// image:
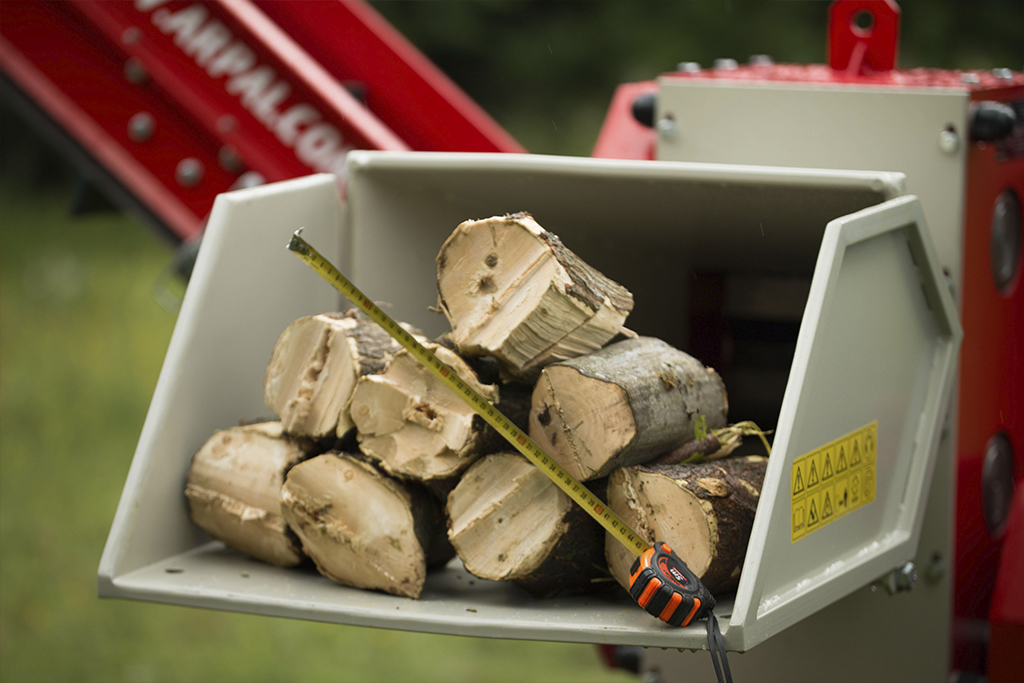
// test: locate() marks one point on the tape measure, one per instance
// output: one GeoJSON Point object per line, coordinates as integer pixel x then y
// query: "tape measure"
{"type": "Point", "coordinates": [659, 580]}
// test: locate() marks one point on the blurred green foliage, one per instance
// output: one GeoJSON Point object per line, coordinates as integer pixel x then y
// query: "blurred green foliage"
{"type": "Point", "coordinates": [546, 69]}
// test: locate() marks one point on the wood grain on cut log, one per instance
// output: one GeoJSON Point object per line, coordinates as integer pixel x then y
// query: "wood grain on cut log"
{"type": "Point", "coordinates": [512, 290]}
{"type": "Point", "coordinates": [414, 424]}
{"type": "Point", "coordinates": [509, 522]}
{"type": "Point", "coordinates": [703, 511]}
{"type": "Point", "coordinates": [623, 405]}
{"type": "Point", "coordinates": [233, 488]}
{"type": "Point", "coordinates": [314, 368]}
{"type": "Point", "coordinates": [363, 528]}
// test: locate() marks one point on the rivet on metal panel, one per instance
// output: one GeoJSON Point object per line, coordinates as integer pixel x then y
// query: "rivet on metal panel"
{"type": "Point", "coordinates": [667, 126]}
{"type": "Point", "coordinates": [1005, 239]}
{"type": "Point", "coordinates": [689, 67]}
{"type": "Point", "coordinates": [949, 141]}
{"type": "Point", "coordinates": [997, 483]}
{"type": "Point", "coordinates": [726, 64]}
{"type": "Point", "coordinates": [141, 126]}
{"type": "Point", "coordinates": [229, 159]}
{"type": "Point", "coordinates": [248, 179]}
{"type": "Point", "coordinates": [935, 569]}
{"type": "Point", "coordinates": [189, 172]}
{"type": "Point", "coordinates": [131, 35]}
{"type": "Point", "coordinates": [135, 71]}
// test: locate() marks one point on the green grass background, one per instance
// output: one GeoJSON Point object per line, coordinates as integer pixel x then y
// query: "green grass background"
{"type": "Point", "coordinates": [81, 344]}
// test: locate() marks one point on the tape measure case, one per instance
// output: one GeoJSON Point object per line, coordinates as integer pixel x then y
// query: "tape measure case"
{"type": "Point", "coordinates": [876, 345]}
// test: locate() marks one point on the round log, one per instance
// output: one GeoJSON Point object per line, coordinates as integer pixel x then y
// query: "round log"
{"type": "Point", "coordinates": [623, 405]}
{"type": "Point", "coordinates": [703, 511]}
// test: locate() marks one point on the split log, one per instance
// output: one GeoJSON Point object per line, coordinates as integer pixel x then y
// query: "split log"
{"type": "Point", "coordinates": [233, 488]}
{"type": "Point", "coordinates": [509, 522]}
{"type": "Point", "coordinates": [314, 368]}
{"type": "Point", "coordinates": [363, 528]}
{"type": "Point", "coordinates": [623, 405]}
{"type": "Point", "coordinates": [703, 511]}
{"type": "Point", "coordinates": [512, 290]}
{"type": "Point", "coordinates": [415, 425]}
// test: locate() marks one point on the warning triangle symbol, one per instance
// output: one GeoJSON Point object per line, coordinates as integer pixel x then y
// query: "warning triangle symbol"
{"type": "Point", "coordinates": [841, 463]}
{"type": "Point", "coordinates": [826, 471]}
{"type": "Point", "coordinates": [812, 476]}
{"type": "Point", "coordinates": [826, 508]}
{"type": "Point", "coordinates": [855, 456]}
{"type": "Point", "coordinates": [812, 516]}
{"type": "Point", "coordinates": [798, 484]}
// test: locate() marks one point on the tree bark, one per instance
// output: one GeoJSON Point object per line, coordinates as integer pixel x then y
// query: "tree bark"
{"type": "Point", "coordinates": [509, 522]}
{"type": "Point", "coordinates": [233, 487]}
{"type": "Point", "coordinates": [512, 290]}
{"type": "Point", "coordinates": [415, 425]}
{"type": "Point", "coordinates": [363, 528]}
{"type": "Point", "coordinates": [623, 405]}
{"type": "Point", "coordinates": [703, 511]}
{"type": "Point", "coordinates": [314, 368]}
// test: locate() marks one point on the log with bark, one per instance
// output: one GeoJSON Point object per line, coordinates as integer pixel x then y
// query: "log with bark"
{"type": "Point", "coordinates": [623, 405]}
{"type": "Point", "coordinates": [509, 522]}
{"type": "Point", "coordinates": [512, 290]}
{"type": "Point", "coordinates": [703, 511]}
{"type": "Point", "coordinates": [361, 527]}
{"type": "Point", "coordinates": [314, 368]}
{"type": "Point", "coordinates": [233, 487]}
{"type": "Point", "coordinates": [415, 425]}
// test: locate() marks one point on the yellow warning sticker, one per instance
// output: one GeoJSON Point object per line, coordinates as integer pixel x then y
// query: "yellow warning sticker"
{"type": "Point", "coordinates": [833, 481]}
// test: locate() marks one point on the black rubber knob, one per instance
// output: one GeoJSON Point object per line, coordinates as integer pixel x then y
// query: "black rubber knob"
{"type": "Point", "coordinates": [643, 109]}
{"type": "Point", "coordinates": [989, 121]}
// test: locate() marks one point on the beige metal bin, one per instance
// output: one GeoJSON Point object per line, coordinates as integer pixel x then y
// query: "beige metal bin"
{"type": "Point", "coordinates": [877, 345]}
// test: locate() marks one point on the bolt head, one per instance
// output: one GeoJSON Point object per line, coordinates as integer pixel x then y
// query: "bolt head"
{"type": "Point", "coordinates": [141, 126]}
{"type": "Point", "coordinates": [726, 64]}
{"type": "Point", "coordinates": [666, 127]}
{"type": "Point", "coordinates": [949, 142]}
{"type": "Point", "coordinates": [189, 172]}
{"type": "Point", "coordinates": [689, 67]}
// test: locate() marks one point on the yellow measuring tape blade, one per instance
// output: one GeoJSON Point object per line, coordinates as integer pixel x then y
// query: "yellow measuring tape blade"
{"type": "Point", "coordinates": [523, 443]}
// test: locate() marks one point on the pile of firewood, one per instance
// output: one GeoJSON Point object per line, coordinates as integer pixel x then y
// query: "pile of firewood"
{"type": "Point", "coordinates": [376, 472]}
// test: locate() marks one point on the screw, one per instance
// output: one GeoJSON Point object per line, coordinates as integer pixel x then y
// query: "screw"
{"type": "Point", "coordinates": [949, 142]}
{"type": "Point", "coordinates": [726, 64]}
{"type": "Point", "coordinates": [189, 172]}
{"type": "Point", "coordinates": [1003, 74]}
{"type": "Point", "coordinates": [689, 67]}
{"type": "Point", "coordinates": [135, 71]}
{"type": "Point", "coordinates": [936, 568]}
{"type": "Point", "coordinates": [229, 159]}
{"type": "Point", "coordinates": [141, 126]}
{"type": "Point", "coordinates": [666, 127]}
{"type": "Point", "coordinates": [906, 576]}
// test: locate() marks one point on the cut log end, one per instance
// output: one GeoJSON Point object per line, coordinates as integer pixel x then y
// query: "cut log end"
{"type": "Point", "coordinates": [414, 424]}
{"type": "Point", "coordinates": [509, 522]}
{"type": "Point", "coordinates": [511, 290]}
{"type": "Point", "coordinates": [233, 487]}
{"type": "Point", "coordinates": [358, 525]}
{"type": "Point", "coordinates": [703, 511]}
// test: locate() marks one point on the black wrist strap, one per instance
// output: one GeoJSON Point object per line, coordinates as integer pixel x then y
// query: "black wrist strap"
{"type": "Point", "coordinates": [717, 648]}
